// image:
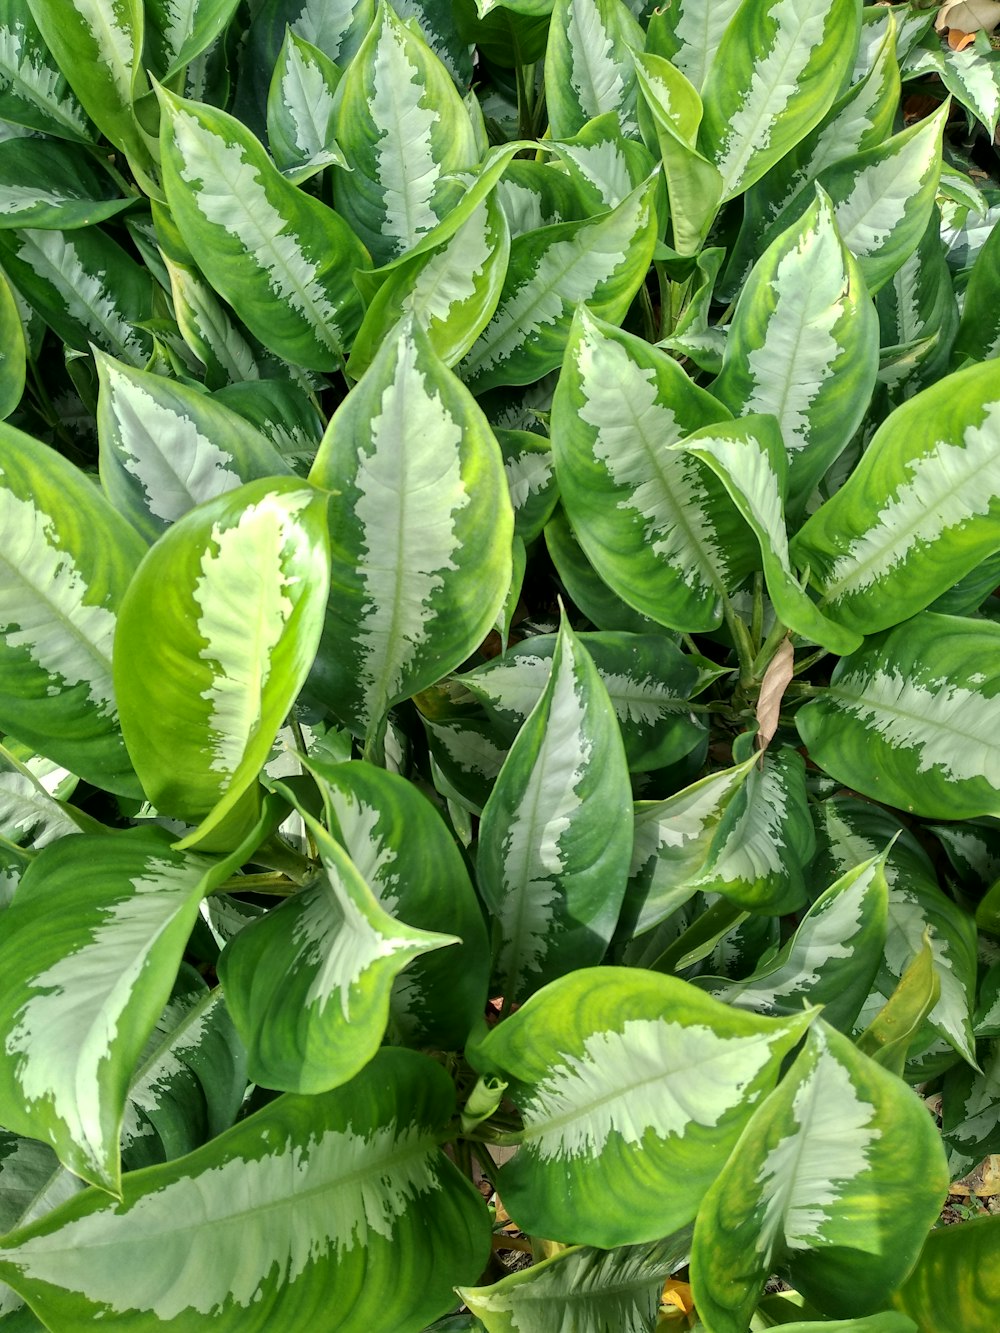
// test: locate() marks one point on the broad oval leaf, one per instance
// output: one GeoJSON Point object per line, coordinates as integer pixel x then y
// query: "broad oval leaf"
{"type": "Point", "coordinates": [404, 131]}
{"type": "Point", "coordinates": [921, 509]}
{"type": "Point", "coordinates": [913, 717]}
{"type": "Point", "coordinates": [345, 1192]}
{"type": "Point", "coordinates": [621, 1076]}
{"type": "Point", "coordinates": [218, 631]}
{"type": "Point", "coordinates": [602, 261]}
{"type": "Point", "coordinates": [955, 1285]}
{"type": "Point", "coordinates": [421, 529]}
{"type": "Point", "coordinates": [555, 837]}
{"type": "Point", "coordinates": [280, 258]}
{"type": "Point", "coordinates": [301, 107]}
{"type": "Point", "coordinates": [67, 560]}
{"type": "Point", "coordinates": [803, 345]}
{"type": "Point", "coordinates": [778, 67]}
{"type": "Point", "coordinates": [838, 1160]}
{"type": "Point", "coordinates": [90, 951]}
{"type": "Point", "coordinates": [588, 64]}
{"type": "Point", "coordinates": [166, 447]}
{"type": "Point", "coordinates": [308, 984]}
{"type": "Point", "coordinates": [656, 525]}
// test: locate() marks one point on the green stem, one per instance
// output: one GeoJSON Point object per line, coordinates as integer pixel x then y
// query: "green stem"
{"type": "Point", "coordinates": [768, 649]}
{"type": "Point", "coordinates": [741, 642]}
{"type": "Point", "coordinates": [648, 313]}
{"type": "Point", "coordinates": [277, 886]}
{"type": "Point", "coordinates": [757, 615]}
{"type": "Point", "coordinates": [276, 854]}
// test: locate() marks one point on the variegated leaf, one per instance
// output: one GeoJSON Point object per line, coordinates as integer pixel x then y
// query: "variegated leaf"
{"type": "Point", "coordinates": [531, 479]}
{"type": "Point", "coordinates": [903, 1017]}
{"type": "Point", "coordinates": [45, 183]}
{"type": "Point", "coordinates": [970, 1113]}
{"type": "Point", "coordinates": [178, 31]}
{"type": "Point", "coordinates": [539, 194]}
{"type": "Point", "coordinates": [656, 525]}
{"type": "Point", "coordinates": [85, 286]}
{"type": "Point", "coordinates": [648, 681]}
{"type": "Point", "coordinates": [422, 528]}
{"type": "Point", "coordinates": [602, 261]}
{"type": "Point", "coordinates": [917, 305]}
{"type": "Point", "coordinates": [588, 64]}
{"type": "Point", "coordinates": [688, 34]}
{"type": "Point", "coordinates": [33, 91]}
{"type": "Point", "coordinates": [451, 291]}
{"type": "Point", "coordinates": [32, 1183]}
{"type": "Point", "coordinates": [13, 352]}
{"type": "Point", "coordinates": [31, 813]}
{"type": "Point", "coordinates": [280, 258]}
{"type": "Point", "coordinates": [107, 921]}
{"type": "Point", "coordinates": [344, 1192]}
{"type": "Point", "coordinates": [694, 185]}
{"type": "Point", "coordinates": [308, 984]}
{"type": "Point", "coordinates": [206, 327]}
{"type": "Point", "coordinates": [955, 1285]}
{"type": "Point", "coordinates": [978, 337]}
{"type": "Point", "coordinates": [598, 1289]}
{"type": "Point", "coordinates": [555, 837]}
{"type": "Point", "coordinates": [919, 511]}
{"type": "Point", "coordinates": [805, 310]}
{"type": "Point", "coordinates": [849, 831]}
{"type": "Point", "coordinates": [777, 70]}
{"type": "Point", "coordinates": [284, 412]}
{"type": "Point", "coordinates": [301, 109]}
{"type": "Point", "coordinates": [841, 1155]}
{"type": "Point", "coordinates": [971, 76]}
{"type": "Point", "coordinates": [604, 166]}
{"type": "Point", "coordinates": [404, 131]}
{"type": "Point", "coordinates": [335, 27]}
{"type": "Point", "coordinates": [98, 46]}
{"type": "Point", "coordinates": [832, 958]}
{"type": "Point", "coordinates": [67, 560]}
{"type": "Point", "coordinates": [672, 844]}
{"type": "Point", "coordinates": [621, 1074]}
{"type": "Point", "coordinates": [217, 633]}
{"type": "Point", "coordinates": [166, 447]}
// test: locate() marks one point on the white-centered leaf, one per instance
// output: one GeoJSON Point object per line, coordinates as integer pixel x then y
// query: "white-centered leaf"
{"type": "Point", "coordinates": [33, 90]}
{"type": "Point", "coordinates": [588, 64]}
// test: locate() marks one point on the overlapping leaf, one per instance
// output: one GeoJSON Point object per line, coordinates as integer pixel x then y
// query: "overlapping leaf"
{"type": "Point", "coordinates": [955, 1285]}
{"type": "Point", "coordinates": [44, 183]}
{"type": "Point", "coordinates": [35, 92]}
{"type": "Point", "coordinates": [588, 64]}
{"type": "Point", "coordinates": [32, 1182]}
{"type": "Point", "coordinates": [688, 34]}
{"type": "Point", "coordinates": [301, 107]}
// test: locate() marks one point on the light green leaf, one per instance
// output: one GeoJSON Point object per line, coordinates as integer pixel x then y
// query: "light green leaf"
{"type": "Point", "coordinates": [218, 630]}
{"type": "Point", "coordinates": [308, 984]}
{"type": "Point", "coordinates": [422, 529]}
{"type": "Point", "coordinates": [280, 258]}
{"type": "Point", "coordinates": [33, 90]}
{"type": "Point", "coordinates": [206, 327]}
{"type": "Point", "coordinates": [956, 1283]}
{"type": "Point", "coordinates": [687, 34]}
{"type": "Point", "coordinates": [595, 1289]}
{"type": "Point", "coordinates": [404, 130]}
{"type": "Point", "coordinates": [749, 458]}
{"type": "Point", "coordinates": [85, 286]}
{"type": "Point", "coordinates": [888, 1037]}
{"type": "Point", "coordinates": [803, 345]}
{"type": "Point", "coordinates": [777, 70]}
{"type": "Point", "coordinates": [344, 1192]}
{"type": "Point", "coordinates": [838, 1159]}
{"type": "Point", "coordinates": [602, 261]}
{"type": "Point", "coordinates": [539, 194]}
{"type": "Point", "coordinates": [301, 108]}
{"type": "Point", "coordinates": [67, 560]}
{"type": "Point", "coordinates": [588, 64]}
{"type": "Point", "coordinates": [971, 76]}
{"type": "Point", "coordinates": [919, 511]}
{"type": "Point", "coordinates": [832, 958]}
{"type": "Point", "coordinates": [623, 1075]}
{"type": "Point", "coordinates": [32, 1183]}
{"type": "Point", "coordinates": [90, 951]}
{"type": "Point", "coordinates": [555, 837]}
{"type": "Point", "coordinates": [166, 447]}
{"type": "Point", "coordinates": [604, 166]}
{"type": "Point", "coordinates": [654, 523]}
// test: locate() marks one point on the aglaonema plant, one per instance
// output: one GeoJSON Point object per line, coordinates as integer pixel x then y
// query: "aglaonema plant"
{"type": "Point", "coordinates": [500, 676]}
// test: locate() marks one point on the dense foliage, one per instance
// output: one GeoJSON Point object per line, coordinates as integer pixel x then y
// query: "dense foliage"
{"type": "Point", "coordinates": [500, 514]}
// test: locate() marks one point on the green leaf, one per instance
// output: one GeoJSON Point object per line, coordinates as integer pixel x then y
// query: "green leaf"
{"type": "Point", "coordinates": [776, 72]}
{"type": "Point", "coordinates": [181, 30]}
{"type": "Point", "coordinates": [404, 131]}
{"type": "Point", "coordinates": [978, 337]}
{"type": "Point", "coordinates": [308, 984]}
{"type": "Point", "coordinates": [956, 1283]}
{"type": "Point", "coordinates": [603, 165]}
{"type": "Point", "coordinates": [687, 34]}
{"type": "Point", "coordinates": [280, 258]}
{"type": "Point", "coordinates": [422, 528]}
{"type": "Point", "coordinates": [539, 194]}
{"type": "Point", "coordinates": [166, 447]}
{"type": "Point", "coordinates": [90, 951]}
{"type": "Point", "coordinates": [971, 1111]}
{"type": "Point", "coordinates": [13, 357]}
{"type": "Point", "coordinates": [44, 183]}
{"type": "Point", "coordinates": [623, 1076]}
{"type": "Point", "coordinates": [748, 457]}
{"type": "Point", "coordinates": [838, 1158]}
{"type": "Point", "coordinates": [910, 719]}
{"type": "Point", "coordinates": [206, 327]}
{"type": "Point", "coordinates": [917, 305]}
{"type": "Point", "coordinates": [656, 525]}
{"type": "Point", "coordinates": [33, 91]}
{"type": "Point", "coordinates": [919, 511]}
{"type": "Point", "coordinates": [344, 1192]}
{"type": "Point", "coordinates": [217, 632]}
{"type": "Point", "coordinates": [647, 678]}
{"type": "Point", "coordinates": [32, 1182]}
{"type": "Point", "coordinates": [595, 1289]}
{"type": "Point", "coordinates": [602, 261]}
{"type": "Point", "coordinates": [85, 286]}
{"type": "Point", "coordinates": [301, 108]}
{"type": "Point", "coordinates": [98, 46]}
{"type": "Point", "coordinates": [588, 64]}
{"type": "Point", "coordinates": [531, 478]}
{"type": "Point", "coordinates": [555, 837]}
{"type": "Point", "coordinates": [832, 958]}
{"type": "Point", "coordinates": [888, 1036]}
{"type": "Point", "coordinates": [803, 345]}
{"type": "Point", "coordinates": [68, 558]}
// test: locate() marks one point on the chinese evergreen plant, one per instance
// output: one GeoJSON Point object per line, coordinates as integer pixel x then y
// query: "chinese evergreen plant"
{"type": "Point", "coordinates": [500, 516]}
